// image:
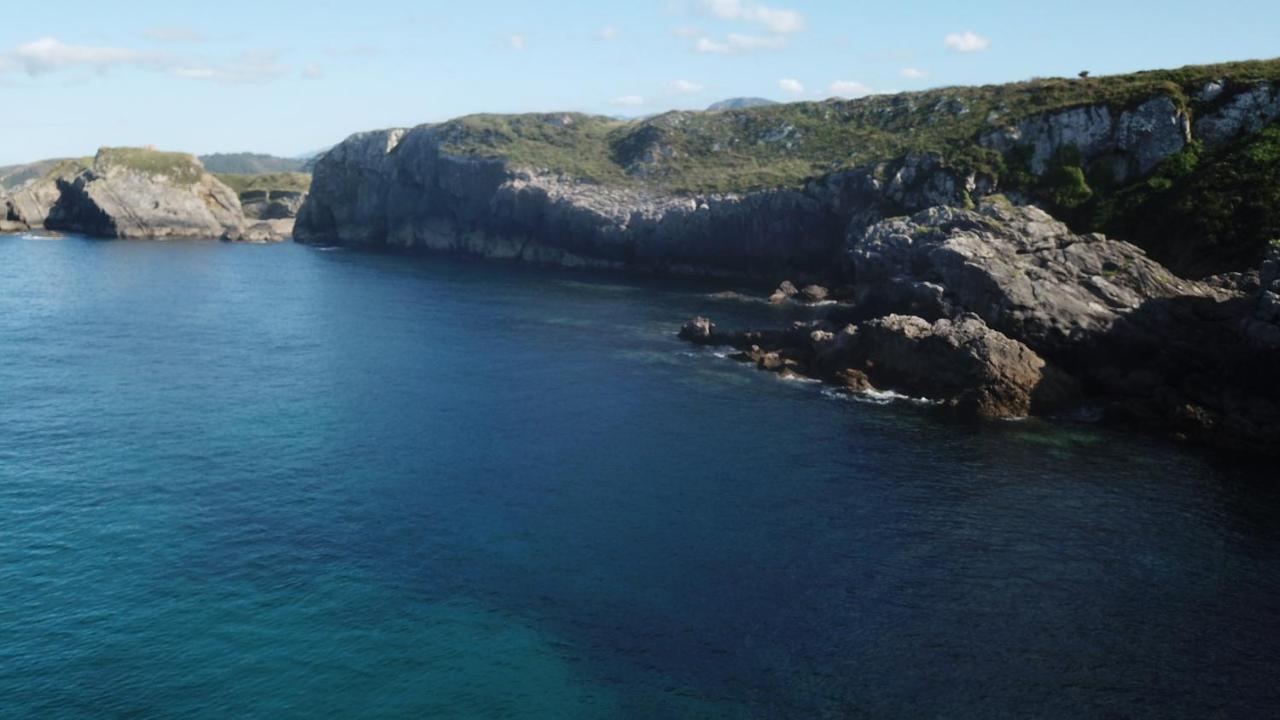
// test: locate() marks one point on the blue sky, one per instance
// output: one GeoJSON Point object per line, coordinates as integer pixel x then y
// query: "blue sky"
{"type": "Point", "coordinates": [292, 76]}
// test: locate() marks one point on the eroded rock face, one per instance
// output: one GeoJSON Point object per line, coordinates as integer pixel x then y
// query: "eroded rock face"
{"type": "Point", "coordinates": [116, 201]}
{"type": "Point", "coordinates": [1245, 112]}
{"type": "Point", "coordinates": [29, 206]}
{"type": "Point", "coordinates": [1020, 270]}
{"type": "Point", "coordinates": [1263, 325]}
{"type": "Point", "coordinates": [398, 188]}
{"type": "Point", "coordinates": [1127, 143]}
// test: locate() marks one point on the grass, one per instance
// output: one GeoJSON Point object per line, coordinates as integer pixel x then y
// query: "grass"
{"type": "Point", "coordinates": [787, 145]}
{"type": "Point", "coordinates": [177, 167]}
{"type": "Point", "coordinates": [266, 182]}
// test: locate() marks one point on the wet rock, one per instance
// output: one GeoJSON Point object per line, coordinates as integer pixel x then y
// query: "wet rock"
{"type": "Point", "coordinates": [977, 370]}
{"type": "Point", "coordinates": [786, 291]}
{"type": "Point", "coordinates": [814, 293]}
{"type": "Point", "coordinates": [699, 330]}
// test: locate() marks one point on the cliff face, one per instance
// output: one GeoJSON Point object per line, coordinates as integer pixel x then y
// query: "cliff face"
{"type": "Point", "coordinates": [129, 193]}
{"type": "Point", "coordinates": [575, 190]}
{"type": "Point", "coordinates": [399, 188]}
{"type": "Point", "coordinates": [29, 205]}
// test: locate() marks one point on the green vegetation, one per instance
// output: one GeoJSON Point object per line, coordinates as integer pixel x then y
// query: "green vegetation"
{"type": "Point", "coordinates": [177, 167]}
{"type": "Point", "coordinates": [1201, 212]}
{"type": "Point", "coordinates": [786, 145]}
{"type": "Point", "coordinates": [267, 182]}
{"type": "Point", "coordinates": [250, 164]}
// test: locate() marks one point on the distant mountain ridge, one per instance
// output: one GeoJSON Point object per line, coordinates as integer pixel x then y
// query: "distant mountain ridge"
{"type": "Point", "coordinates": [251, 163]}
{"type": "Point", "coordinates": [741, 103]}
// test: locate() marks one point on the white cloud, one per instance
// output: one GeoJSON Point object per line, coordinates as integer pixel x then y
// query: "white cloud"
{"type": "Point", "coordinates": [627, 101]}
{"type": "Point", "coordinates": [173, 34]}
{"type": "Point", "coordinates": [248, 68]}
{"type": "Point", "coordinates": [849, 89]}
{"type": "Point", "coordinates": [966, 42]}
{"type": "Point", "coordinates": [775, 20]}
{"type": "Point", "coordinates": [608, 33]}
{"type": "Point", "coordinates": [49, 54]}
{"type": "Point", "coordinates": [686, 31]}
{"type": "Point", "coordinates": [779, 21]}
{"type": "Point", "coordinates": [913, 73]}
{"type": "Point", "coordinates": [791, 86]}
{"type": "Point", "coordinates": [685, 87]}
{"type": "Point", "coordinates": [313, 72]}
{"type": "Point", "coordinates": [517, 42]}
{"type": "Point", "coordinates": [735, 44]}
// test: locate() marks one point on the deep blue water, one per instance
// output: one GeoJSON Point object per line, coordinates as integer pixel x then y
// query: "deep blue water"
{"type": "Point", "coordinates": [279, 482]}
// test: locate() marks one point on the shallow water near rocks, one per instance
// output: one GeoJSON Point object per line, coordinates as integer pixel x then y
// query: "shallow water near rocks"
{"type": "Point", "coordinates": [275, 482]}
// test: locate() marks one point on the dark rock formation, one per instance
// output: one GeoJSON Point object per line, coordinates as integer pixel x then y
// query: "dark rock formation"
{"type": "Point", "coordinates": [272, 205]}
{"type": "Point", "coordinates": [1016, 267]}
{"type": "Point", "coordinates": [143, 194]}
{"type": "Point", "coordinates": [963, 363]}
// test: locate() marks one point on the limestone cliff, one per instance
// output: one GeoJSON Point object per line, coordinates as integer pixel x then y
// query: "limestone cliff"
{"type": "Point", "coordinates": [773, 191]}
{"type": "Point", "coordinates": [134, 193]}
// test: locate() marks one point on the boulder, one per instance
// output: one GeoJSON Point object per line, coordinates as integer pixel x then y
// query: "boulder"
{"type": "Point", "coordinates": [814, 293]}
{"type": "Point", "coordinates": [786, 291]}
{"type": "Point", "coordinates": [699, 330]}
{"type": "Point", "coordinates": [136, 193]}
{"type": "Point", "coordinates": [962, 361]}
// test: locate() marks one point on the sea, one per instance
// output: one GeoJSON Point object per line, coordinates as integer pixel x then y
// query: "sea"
{"type": "Point", "coordinates": [302, 482]}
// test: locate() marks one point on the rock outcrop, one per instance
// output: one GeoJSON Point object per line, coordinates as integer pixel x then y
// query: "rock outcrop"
{"type": "Point", "coordinates": [1001, 311]}
{"type": "Point", "coordinates": [129, 193]}
{"type": "Point", "coordinates": [961, 362]}
{"type": "Point", "coordinates": [1130, 142]}
{"type": "Point", "coordinates": [29, 205]}
{"type": "Point", "coordinates": [272, 204]}
{"type": "Point", "coordinates": [1263, 325]}
{"type": "Point", "coordinates": [1022, 271]}
{"type": "Point", "coordinates": [1247, 111]}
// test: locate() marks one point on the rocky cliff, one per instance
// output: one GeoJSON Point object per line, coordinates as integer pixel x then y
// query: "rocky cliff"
{"type": "Point", "coordinates": [998, 310]}
{"type": "Point", "coordinates": [133, 193]}
{"type": "Point", "coordinates": [773, 191]}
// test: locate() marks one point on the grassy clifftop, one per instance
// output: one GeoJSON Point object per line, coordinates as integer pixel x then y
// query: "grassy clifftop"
{"type": "Point", "coordinates": [180, 168]}
{"type": "Point", "coordinates": [266, 182]}
{"type": "Point", "coordinates": [783, 145]}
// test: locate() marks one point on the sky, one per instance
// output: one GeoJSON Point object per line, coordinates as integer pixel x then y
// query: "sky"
{"type": "Point", "coordinates": [291, 77]}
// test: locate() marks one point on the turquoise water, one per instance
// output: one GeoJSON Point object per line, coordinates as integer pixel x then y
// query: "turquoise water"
{"type": "Point", "coordinates": [278, 482]}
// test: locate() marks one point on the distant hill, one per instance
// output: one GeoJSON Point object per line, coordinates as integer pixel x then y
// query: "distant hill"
{"type": "Point", "coordinates": [250, 163]}
{"type": "Point", "coordinates": [13, 176]}
{"type": "Point", "coordinates": [740, 104]}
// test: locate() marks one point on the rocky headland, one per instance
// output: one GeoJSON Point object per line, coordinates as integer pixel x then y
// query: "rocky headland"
{"type": "Point", "coordinates": [1003, 312]}
{"type": "Point", "coordinates": [143, 193]}
{"type": "Point", "coordinates": [1006, 250]}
